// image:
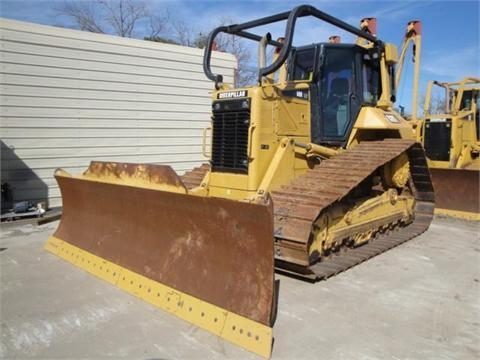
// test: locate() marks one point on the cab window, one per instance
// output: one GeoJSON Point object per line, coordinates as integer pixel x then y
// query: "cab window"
{"type": "Point", "coordinates": [370, 81]}
{"type": "Point", "coordinates": [338, 83]}
{"type": "Point", "coordinates": [303, 65]}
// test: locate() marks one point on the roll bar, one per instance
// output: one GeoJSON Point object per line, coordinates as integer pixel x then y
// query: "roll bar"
{"type": "Point", "coordinates": [286, 46]}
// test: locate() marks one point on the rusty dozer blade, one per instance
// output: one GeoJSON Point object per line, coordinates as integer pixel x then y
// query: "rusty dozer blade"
{"type": "Point", "coordinates": [209, 261]}
{"type": "Point", "coordinates": [457, 192]}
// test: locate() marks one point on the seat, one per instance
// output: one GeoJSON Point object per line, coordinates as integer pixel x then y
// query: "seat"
{"type": "Point", "coordinates": [336, 107]}
{"type": "Point", "coordinates": [339, 88]}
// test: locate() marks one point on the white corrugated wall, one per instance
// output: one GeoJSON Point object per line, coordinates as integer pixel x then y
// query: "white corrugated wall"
{"type": "Point", "coordinates": [69, 97]}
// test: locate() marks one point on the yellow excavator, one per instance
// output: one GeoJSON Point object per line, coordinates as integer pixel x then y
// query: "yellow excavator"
{"type": "Point", "coordinates": [311, 172]}
{"type": "Point", "coordinates": [449, 135]}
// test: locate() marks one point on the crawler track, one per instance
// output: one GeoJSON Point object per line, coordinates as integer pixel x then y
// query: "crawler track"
{"type": "Point", "coordinates": [298, 204]}
{"type": "Point", "coordinates": [194, 177]}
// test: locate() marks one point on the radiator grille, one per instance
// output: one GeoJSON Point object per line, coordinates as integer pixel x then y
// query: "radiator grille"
{"type": "Point", "coordinates": [231, 120]}
{"type": "Point", "coordinates": [437, 139]}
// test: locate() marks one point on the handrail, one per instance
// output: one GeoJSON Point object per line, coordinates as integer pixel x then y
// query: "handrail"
{"type": "Point", "coordinates": [204, 142]}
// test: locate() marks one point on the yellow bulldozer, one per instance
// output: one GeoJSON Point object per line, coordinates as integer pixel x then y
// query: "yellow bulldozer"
{"type": "Point", "coordinates": [311, 172]}
{"type": "Point", "coordinates": [450, 135]}
{"type": "Point", "coordinates": [449, 132]}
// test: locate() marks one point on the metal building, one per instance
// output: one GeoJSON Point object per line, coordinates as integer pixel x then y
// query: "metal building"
{"type": "Point", "coordinates": [69, 97]}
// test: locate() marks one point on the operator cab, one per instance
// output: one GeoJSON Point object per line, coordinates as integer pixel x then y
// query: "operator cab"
{"type": "Point", "coordinates": [471, 102]}
{"type": "Point", "coordinates": [343, 78]}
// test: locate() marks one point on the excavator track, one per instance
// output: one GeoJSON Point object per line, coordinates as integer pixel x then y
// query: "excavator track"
{"type": "Point", "coordinates": [298, 204]}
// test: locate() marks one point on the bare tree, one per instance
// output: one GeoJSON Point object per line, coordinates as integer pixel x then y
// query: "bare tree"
{"type": "Point", "coordinates": [117, 17]}
{"type": "Point", "coordinates": [127, 18]}
{"type": "Point", "coordinates": [437, 105]}
{"type": "Point", "coordinates": [187, 35]}
{"type": "Point", "coordinates": [83, 14]}
{"type": "Point", "coordinates": [246, 73]}
{"type": "Point", "coordinates": [156, 24]}
{"type": "Point", "coordinates": [183, 33]}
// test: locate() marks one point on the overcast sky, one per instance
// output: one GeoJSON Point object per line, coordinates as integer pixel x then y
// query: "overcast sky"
{"type": "Point", "coordinates": [451, 33]}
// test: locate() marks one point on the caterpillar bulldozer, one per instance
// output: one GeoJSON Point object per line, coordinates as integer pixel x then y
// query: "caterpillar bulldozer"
{"type": "Point", "coordinates": [311, 172]}
{"type": "Point", "coordinates": [449, 134]}
{"type": "Point", "coordinates": [451, 138]}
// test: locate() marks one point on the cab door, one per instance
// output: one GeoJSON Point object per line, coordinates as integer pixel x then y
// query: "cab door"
{"type": "Point", "coordinates": [335, 100]}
